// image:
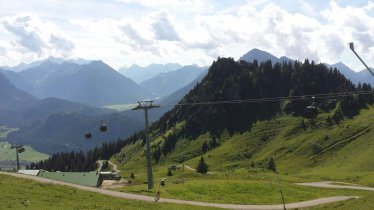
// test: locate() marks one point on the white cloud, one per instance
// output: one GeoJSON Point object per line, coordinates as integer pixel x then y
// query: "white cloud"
{"type": "Point", "coordinates": [61, 44]}
{"type": "Point", "coordinates": [352, 24]}
{"type": "Point", "coordinates": [190, 6]}
{"type": "Point", "coordinates": [163, 29]}
{"type": "Point", "coordinates": [29, 38]}
{"type": "Point", "coordinates": [192, 31]}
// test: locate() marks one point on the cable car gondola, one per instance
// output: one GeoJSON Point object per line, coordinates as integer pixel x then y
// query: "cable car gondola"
{"type": "Point", "coordinates": [103, 127]}
{"type": "Point", "coordinates": [311, 112]}
{"type": "Point", "coordinates": [21, 149]}
{"type": "Point", "coordinates": [88, 135]}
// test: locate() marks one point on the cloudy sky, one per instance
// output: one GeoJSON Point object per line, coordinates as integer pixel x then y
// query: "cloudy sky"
{"type": "Point", "coordinates": [124, 32]}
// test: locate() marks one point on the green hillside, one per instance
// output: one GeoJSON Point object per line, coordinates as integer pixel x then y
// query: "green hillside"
{"type": "Point", "coordinates": [239, 164]}
{"type": "Point", "coordinates": [4, 131]}
{"type": "Point", "coordinates": [6, 153]}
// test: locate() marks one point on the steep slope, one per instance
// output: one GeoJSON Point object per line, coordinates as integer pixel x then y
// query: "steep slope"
{"type": "Point", "coordinates": [246, 135]}
{"type": "Point", "coordinates": [228, 80]}
{"type": "Point", "coordinates": [52, 124]}
{"type": "Point", "coordinates": [366, 77]}
{"type": "Point", "coordinates": [26, 108]}
{"type": "Point", "coordinates": [64, 131]}
{"type": "Point", "coordinates": [12, 98]}
{"type": "Point", "coordinates": [17, 80]}
{"type": "Point", "coordinates": [41, 109]}
{"type": "Point", "coordinates": [95, 84]}
{"type": "Point", "coordinates": [166, 83]}
{"type": "Point", "coordinates": [175, 97]}
{"type": "Point", "coordinates": [11, 101]}
{"type": "Point", "coordinates": [356, 77]}
{"type": "Point", "coordinates": [168, 102]}
{"type": "Point", "coordinates": [346, 71]}
{"type": "Point", "coordinates": [140, 74]}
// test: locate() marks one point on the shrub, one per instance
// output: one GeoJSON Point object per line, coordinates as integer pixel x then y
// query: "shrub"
{"type": "Point", "coordinates": [169, 172]}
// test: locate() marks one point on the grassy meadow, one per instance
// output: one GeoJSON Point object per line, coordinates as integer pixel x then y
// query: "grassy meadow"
{"type": "Point", "coordinates": [6, 153]}
{"type": "Point", "coordinates": [303, 152]}
{"type": "Point", "coordinates": [27, 194]}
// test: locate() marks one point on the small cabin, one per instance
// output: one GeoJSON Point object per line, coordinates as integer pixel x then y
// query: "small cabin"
{"type": "Point", "coordinates": [29, 172]}
{"type": "Point", "coordinates": [92, 179]}
{"type": "Point", "coordinates": [107, 175]}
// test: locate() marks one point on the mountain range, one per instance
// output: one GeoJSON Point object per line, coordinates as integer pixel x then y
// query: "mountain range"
{"type": "Point", "coordinates": [139, 74]}
{"type": "Point", "coordinates": [12, 98]}
{"type": "Point", "coordinates": [165, 84]}
{"type": "Point", "coordinates": [24, 66]}
{"type": "Point", "coordinates": [262, 56]}
{"type": "Point", "coordinates": [51, 124]}
{"type": "Point", "coordinates": [94, 84]}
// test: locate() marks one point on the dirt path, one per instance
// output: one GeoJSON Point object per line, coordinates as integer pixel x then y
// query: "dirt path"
{"type": "Point", "coordinates": [333, 185]}
{"type": "Point", "coordinates": [192, 169]}
{"type": "Point", "coordinates": [114, 166]}
{"type": "Point", "coordinates": [100, 165]}
{"type": "Point", "coordinates": [303, 204]}
{"type": "Point", "coordinates": [189, 168]}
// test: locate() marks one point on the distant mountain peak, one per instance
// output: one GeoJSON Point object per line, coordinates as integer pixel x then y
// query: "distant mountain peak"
{"type": "Point", "coordinates": [140, 74]}
{"type": "Point", "coordinates": [134, 66]}
{"type": "Point", "coordinates": [259, 55]}
{"type": "Point", "coordinates": [95, 62]}
{"type": "Point", "coordinates": [256, 50]}
{"type": "Point", "coordinates": [285, 58]}
{"type": "Point", "coordinates": [48, 62]}
{"type": "Point", "coordinates": [99, 64]}
{"type": "Point", "coordinates": [340, 64]}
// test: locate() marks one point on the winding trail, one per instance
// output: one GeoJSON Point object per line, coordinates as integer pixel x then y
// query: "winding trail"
{"type": "Point", "coordinates": [192, 169]}
{"type": "Point", "coordinates": [303, 204]}
{"type": "Point", "coordinates": [189, 168]}
{"type": "Point", "coordinates": [100, 165]}
{"type": "Point", "coordinates": [114, 167]}
{"type": "Point", "coordinates": [333, 185]}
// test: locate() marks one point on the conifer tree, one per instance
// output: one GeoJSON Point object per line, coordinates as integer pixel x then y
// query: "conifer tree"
{"type": "Point", "coordinates": [202, 167]}
{"type": "Point", "coordinates": [271, 165]}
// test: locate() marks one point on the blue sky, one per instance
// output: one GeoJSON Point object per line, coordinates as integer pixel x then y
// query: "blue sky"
{"type": "Point", "coordinates": [124, 32]}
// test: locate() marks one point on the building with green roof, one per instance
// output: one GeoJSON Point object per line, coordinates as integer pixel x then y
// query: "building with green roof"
{"type": "Point", "coordinates": [92, 179]}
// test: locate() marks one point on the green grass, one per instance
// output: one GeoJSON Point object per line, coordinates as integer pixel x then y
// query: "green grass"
{"type": "Point", "coordinates": [4, 131]}
{"type": "Point", "coordinates": [342, 152]}
{"type": "Point", "coordinates": [365, 202]}
{"type": "Point", "coordinates": [6, 153]}
{"type": "Point", "coordinates": [26, 194]}
{"type": "Point", "coordinates": [235, 191]}
{"type": "Point", "coordinates": [238, 166]}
